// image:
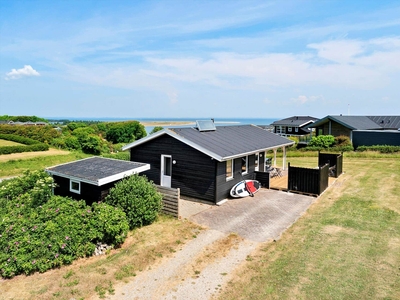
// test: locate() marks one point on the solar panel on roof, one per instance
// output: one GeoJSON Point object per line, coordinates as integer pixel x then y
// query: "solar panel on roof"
{"type": "Point", "coordinates": [205, 125]}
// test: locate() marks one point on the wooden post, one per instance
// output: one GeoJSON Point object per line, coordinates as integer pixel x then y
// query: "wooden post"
{"type": "Point", "coordinates": [284, 157]}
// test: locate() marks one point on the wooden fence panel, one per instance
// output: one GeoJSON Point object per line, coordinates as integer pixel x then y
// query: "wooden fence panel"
{"type": "Point", "coordinates": [335, 161]}
{"type": "Point", "coordinates": [263, 178]}
{"type": "Point", "coordinates": [323, 178]}
{"type": "Point", "coordinates": [304, 180]}
{"type": "Point", "coordinates": [170, 201]}
{"type": "Point", "coordinates": [339, 165]}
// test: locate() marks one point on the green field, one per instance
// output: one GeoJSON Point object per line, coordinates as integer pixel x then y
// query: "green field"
{"type": "Point", "coordinates": [4, 143]}
{"type": "Point", "coordinates": [347, 246]}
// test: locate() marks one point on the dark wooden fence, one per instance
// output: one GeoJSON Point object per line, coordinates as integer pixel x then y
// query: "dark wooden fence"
{"type": "Point", "coordinates": [263, 178]}
{"type": "Point", "coordinates": [309, 181]}
{"type": "Point", "coordinates": [170, 201]}
{"type": "Point", "coordinates": [335, 162]}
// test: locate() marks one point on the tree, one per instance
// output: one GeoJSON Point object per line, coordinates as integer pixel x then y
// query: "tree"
{"type": "Point", "coordinates": [156, 128]}
{"type": "Point", "coordinates": [125, 132]}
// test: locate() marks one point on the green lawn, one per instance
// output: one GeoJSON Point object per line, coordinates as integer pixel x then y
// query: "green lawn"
{"type": "Point", "coordinates": [347, 246]}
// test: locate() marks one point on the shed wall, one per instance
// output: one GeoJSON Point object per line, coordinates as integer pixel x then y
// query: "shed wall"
{"type": "Point", "coordinates": [194, 172]}
{"type": "Point", "coordinates": [375, 137]}
{"type": "Point", "coordinates": [334, 129]}
{"type": "Point", "coordinates": [90, 193]}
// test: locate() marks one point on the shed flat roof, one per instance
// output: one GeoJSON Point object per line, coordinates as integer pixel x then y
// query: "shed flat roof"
{"type": "Point", "coordinates": [98, 170]}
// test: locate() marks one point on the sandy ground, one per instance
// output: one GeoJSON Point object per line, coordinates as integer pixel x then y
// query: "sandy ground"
{"type": "Point", "coordinates": [167, 123]}
{"type": "Point", "coordinates": [27, 155]}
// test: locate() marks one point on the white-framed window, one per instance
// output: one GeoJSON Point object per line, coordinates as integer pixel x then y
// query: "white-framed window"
{"type": "Point", "coordinates": [289, 129]}
{"type": "Point", "coordinates": [229, 169]}
{"type": "Point", "coordinates": [296, 129]}
{"type": "Point", "coordinates": [75, 186]}
{"type": "Point", "coordinates": [256, 161]}
{"type": "Point", "coordinates": [245, 164]}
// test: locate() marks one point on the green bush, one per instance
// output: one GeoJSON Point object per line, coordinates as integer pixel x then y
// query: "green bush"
{"type": "Point", "coordinates": [322, 141]}
{"type": "Point", "coordinates": [20, 149]}
{"type": "Point", "coordinates": [138, 198]}
{"type": "Point", "coordinates": [39, 231]}
{"type": "Point", "coordinates": [342, 140]}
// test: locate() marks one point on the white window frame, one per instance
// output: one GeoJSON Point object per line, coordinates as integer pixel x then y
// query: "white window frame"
{"type": "Point", "coordinates": [296, 129]}
{"type": "Point", "coordinates": [257, 161]}
{"type": "Point", "coordinates": [289, 129]}
{"type": "Point", "coordinates": [77, 191]}
{"type": "Point", "coordinates": [247, 165]}
{"type": "Point", "coordinates": [229, 176]}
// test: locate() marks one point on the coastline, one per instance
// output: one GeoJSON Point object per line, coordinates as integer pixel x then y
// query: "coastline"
{"type": "Point", "coordinates": [166, 123]}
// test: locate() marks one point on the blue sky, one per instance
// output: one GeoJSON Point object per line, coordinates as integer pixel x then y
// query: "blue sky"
{"type": "Point", "coordinates": [177, 59]}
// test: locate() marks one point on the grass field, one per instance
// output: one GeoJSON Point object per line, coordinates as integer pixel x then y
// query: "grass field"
{"type": "Point", "coordinates": [347, 245]}
{"type": "Point", "coordinates": [4, 143]}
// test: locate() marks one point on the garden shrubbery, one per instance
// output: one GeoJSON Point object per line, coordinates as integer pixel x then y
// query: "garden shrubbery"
{"type": "Point", "coordinates": [329, 143]}
{"type": "Point", "coordinates": [138, 198]}
{"type": "Point", "coordinates": [39, 231]}
{"type": "Point", "coordinates": [44, 134]}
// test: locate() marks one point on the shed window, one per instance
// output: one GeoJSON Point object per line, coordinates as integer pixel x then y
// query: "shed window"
{"type": "Point", "coordinates": [229, 169]}
{"type": "Point", "coordinates": [244, 164]}
{"type": "Point", "coordinates": [75, 186]}
{"type": "Point", "coordinates": [289, 129]}
{"type": "Point", "coordinates": [296, 129]}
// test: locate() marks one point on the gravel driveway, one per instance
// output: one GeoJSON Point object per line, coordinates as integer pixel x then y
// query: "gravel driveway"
{"type": "Point", "coordinates": [253, 219]}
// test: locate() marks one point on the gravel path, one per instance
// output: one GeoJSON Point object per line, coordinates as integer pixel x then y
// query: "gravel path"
{"type": "Point", "coordinates": [175, 278]}
{"type": "Point", "coordinates": [205, 264]}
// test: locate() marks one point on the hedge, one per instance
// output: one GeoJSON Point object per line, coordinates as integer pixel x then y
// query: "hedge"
{"type": "Point", "coordinates": [380, 148]}
{"type": "Point", "coordinates": [32, 145]}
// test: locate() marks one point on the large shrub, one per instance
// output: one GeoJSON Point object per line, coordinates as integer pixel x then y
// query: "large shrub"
{"type": "Point", "coordinates": [322, 141]}
{"type": "Point", "coordinates": [39, 231]}
{"type": "Point", "coordinates": [138, 198]}
{"type": "Point", "coordinates": [125, 132]}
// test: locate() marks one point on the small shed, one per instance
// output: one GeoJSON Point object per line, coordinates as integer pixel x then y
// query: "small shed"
{"type": "Point", "coordinates": [91, 178]}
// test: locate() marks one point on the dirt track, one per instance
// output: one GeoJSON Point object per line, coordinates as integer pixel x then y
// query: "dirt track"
{"type": "Point", "coordinates": [27, 155]}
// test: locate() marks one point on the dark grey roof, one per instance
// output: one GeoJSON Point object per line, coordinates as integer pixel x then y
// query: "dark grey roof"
{"type": "Point", "coordinates": [387, 122]}
{"type": "Point", "coordinates": [226, 142]}
{"type": "Point", "coordinates": [351, 122]}
{"type": "Point", "coordinates": [98, 170]}
{"type": "Point", "coordinates": [295, 121]}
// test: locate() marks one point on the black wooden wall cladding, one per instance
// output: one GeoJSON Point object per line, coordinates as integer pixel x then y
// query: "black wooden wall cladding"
{"type": "Point", "coordinates": [192, 171]}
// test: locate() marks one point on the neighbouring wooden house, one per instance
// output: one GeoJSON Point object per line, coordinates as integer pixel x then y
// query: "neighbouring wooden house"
{"type": "Point", "coordinates": [206, 161]}
{"type": "Point", "coordinates": [362, 130]}
{"type": "Point", "coordinates": [294, 126]}
{"type": "Point", "coordinates": [91, 178]}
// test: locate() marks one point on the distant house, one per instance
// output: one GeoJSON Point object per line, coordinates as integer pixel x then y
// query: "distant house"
{"type": "Point", "coordinates": [205, 161]}
{"type": "Point", "coordinates": [295, 125]}
{"type": "Point", "coordinates": [90, 179]}
{"type": "Point", "coordinates": [362, 130]}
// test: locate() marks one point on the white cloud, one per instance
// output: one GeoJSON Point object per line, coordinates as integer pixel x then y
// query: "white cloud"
{"type": "Point", "coordinates": [304, 99]}
{"type": "Point", "coordinates": [26, 71]}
